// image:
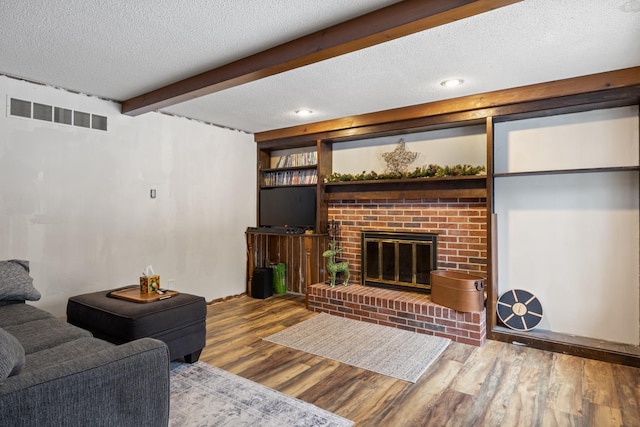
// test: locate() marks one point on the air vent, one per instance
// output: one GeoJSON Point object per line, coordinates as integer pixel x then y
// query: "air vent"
{"type": "Point", "coordinates": [20, 108]}
{"type": "Point", "coordinates": [81, 119]}
{"type": "Point", "coordinates": [49, 113]}
{"type": "Point", "coordinates": [42, 112]}
{"type": "Point", "coordinates": [98, 122]}
{"type": "Point", "coordinates": [62, 115]}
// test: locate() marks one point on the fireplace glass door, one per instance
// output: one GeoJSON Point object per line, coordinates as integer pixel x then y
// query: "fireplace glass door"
{"type": "Point", "coordinates": [400, 260]}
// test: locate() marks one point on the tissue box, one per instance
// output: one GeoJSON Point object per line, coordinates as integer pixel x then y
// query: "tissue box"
{"type": "Point", "coordinates": [149, 284]}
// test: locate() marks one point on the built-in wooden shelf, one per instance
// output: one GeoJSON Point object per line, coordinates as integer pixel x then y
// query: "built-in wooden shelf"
{"type": "Point", "coordinates": [289, 168]}
{"type": "Point", "coordinates": [288, 185]}
{"type": "Point", "coordinates": [458, 186]}
{"type": "Point", "coordinates": [568, 171]}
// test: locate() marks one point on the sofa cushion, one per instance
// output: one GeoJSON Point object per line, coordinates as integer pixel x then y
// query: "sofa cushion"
{"type": "Point", "coordinates": [10, 302]}
{"type": "Point", "coordinates": [80, 347]}
{"type": "Point", "coordinates": [16, 314]}
{"type": "Point", "coordinates": [15, 281]}
{"type": "Point", "coordinates": [12, 356]}
{"type": "Point", "coordinates": [41, 334]}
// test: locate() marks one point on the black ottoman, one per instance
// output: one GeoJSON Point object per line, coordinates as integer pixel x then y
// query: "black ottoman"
{"type": "Point", "coordinates": [179, 321]}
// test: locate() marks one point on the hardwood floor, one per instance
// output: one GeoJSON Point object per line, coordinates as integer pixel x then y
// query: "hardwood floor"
{"type": "Point", "coordinates": [498, 384]}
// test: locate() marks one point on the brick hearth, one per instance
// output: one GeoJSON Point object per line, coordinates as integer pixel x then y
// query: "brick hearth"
{"type": "Point", "coordinates": [404, 310]}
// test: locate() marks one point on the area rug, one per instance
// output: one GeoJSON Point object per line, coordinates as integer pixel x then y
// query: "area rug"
{"type": "Point", "coordinates": [389, 351]}
{"type": "Point", "coordinates": [203, 395]}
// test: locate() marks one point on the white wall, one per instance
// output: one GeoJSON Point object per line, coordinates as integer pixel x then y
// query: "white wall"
{"type": "Point", "coordinates": [572, 239]}
{"type": "Point", "coordinates": [75, 202]}
{"type": "Point", "coordinates": [447, 147]}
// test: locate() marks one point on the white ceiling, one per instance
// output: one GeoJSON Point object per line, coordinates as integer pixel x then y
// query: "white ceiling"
{"type": "Point", "coordinates": [120, 49]}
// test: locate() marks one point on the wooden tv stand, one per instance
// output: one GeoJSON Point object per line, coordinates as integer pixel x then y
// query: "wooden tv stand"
{"type": "Point", "coordinates": [301, 253]}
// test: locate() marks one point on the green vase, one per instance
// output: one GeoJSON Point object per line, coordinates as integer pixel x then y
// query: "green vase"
{"type": "Point", "coordinates": [279, 285]}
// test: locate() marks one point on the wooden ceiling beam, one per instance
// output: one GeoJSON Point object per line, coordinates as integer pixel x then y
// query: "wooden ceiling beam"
{"type": "Point", "coordinates": [389, 23]}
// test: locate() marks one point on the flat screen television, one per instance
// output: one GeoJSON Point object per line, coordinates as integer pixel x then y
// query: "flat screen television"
{"type": "Point", "coordinates": [288, 207]}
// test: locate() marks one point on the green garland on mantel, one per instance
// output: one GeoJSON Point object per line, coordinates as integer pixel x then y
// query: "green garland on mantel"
{"type": "Point", "coordinates": [429, 171]}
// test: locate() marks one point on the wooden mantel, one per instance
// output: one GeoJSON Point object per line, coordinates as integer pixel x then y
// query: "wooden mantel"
{"type": "Point", "coordinates": [415, 188]}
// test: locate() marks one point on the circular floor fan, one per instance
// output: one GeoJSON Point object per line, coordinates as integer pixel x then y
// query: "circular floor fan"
{"type": "Point", "coordinates": [519, 309]}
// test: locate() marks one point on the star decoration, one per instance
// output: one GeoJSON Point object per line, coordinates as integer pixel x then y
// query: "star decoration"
{"type": "Point", "coordinates": [399, 159]}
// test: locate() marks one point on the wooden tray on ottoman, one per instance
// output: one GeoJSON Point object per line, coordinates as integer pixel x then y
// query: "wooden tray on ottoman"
{"type": "Point", "coordinates": [134, 294]}
{"type": "Point", "coordinates": [457, 290]}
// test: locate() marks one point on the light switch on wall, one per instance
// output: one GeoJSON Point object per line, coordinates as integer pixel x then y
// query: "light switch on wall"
{"type": "Point", "coordinates": [152, 193]}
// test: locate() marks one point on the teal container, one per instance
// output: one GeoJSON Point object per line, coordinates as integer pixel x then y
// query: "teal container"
{"type": "Point", "coordinates": [279, 274]}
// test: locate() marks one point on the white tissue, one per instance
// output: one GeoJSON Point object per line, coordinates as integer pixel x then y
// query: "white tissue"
{"type": "Point", "coordinates": [148, 271]}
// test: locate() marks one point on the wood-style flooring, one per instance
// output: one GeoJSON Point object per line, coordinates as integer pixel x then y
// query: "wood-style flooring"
{"type": "Point", "coordinates": [498, 384]}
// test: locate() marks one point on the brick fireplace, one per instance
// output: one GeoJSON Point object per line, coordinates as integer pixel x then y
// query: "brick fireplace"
{"type": "Point", "coordinates": [460, 226]}
{"type": "Point", "coordinates": [459, 223]}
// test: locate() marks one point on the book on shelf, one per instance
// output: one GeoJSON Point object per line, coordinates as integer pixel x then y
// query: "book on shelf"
{"type": "Point", "coordinates": [298, 159]}
{"type": "Point", "coordinates": [292, 177]}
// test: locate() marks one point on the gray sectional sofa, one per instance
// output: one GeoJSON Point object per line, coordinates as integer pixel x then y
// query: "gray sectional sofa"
{"type": "Point", "coordinates": [55, 374]}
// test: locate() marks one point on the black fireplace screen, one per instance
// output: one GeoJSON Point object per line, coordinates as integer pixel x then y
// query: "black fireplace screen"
{"type": "Point", "coordinates": [398, 259]}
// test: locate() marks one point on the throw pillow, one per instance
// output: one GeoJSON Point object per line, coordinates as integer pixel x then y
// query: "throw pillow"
{"type": "Point", "coordinates": [11, 355]}
{"type": "Point", "coordinates": [15, 282]}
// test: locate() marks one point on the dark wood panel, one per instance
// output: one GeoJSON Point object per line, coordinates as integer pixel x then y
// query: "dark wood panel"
{"type": "Point", "coordinates": [421, 124]}
{"type": "Point", "coordinates": [406, 194]}
{"type": "Point", "coordinates": [610, 98]}
{"type": "Point", "coordinates": [318, 262]}
{"type": "Point", "coordinates": [491, 285]}
{"type": "Point", "coordinates": [293, 168]}
{"type": "Point", "coordinates": [570, 344]}
{"type": "Point", "coordinates": [325, 167]}
{"type": "Point", "coordinates": [295, 273]}
{"type": "Point", "coordinates": [568, 171]}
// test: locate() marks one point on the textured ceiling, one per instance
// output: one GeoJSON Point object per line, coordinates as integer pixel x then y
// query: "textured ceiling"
{"type": "Point", "coordinates": [121, 49]}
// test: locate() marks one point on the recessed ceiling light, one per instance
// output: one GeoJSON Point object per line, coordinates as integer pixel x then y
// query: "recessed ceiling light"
{"type": "Point", "coordinates": [304, 113]}
{"type": "Point", "coordinates": [452, 82]}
